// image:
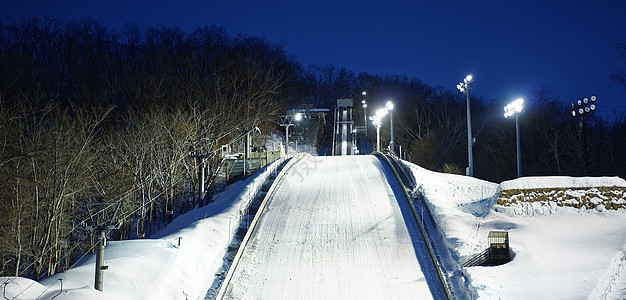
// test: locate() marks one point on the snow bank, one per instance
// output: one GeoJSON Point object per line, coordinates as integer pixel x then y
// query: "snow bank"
{"type": "Point", "coordinates": [562, 182]}
{"type": "Point", "coordinates": [558, 252]}
{"type": "Point", "coordinates": [177, 263]}
{"type": "Point", "coordinates": [536, 196]}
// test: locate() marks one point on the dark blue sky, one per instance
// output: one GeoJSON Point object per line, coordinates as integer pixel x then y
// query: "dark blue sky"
{"type": "Point", "coordinates": [509, 47]}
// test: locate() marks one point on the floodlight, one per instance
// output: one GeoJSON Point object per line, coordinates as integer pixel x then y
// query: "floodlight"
{"type": "Point", "coordinates": [580, 102]}
{"type": "Point", "coordinates": [593, 98]}
{"type": "Point", "coordinates": [364, 93]}
{"type": "Point", "coordinates": [381, 113]}
{"type": "Point", "coordinates": [389, 105]}
{"type": "Point", "coordinates": [592, 106]}
{"type": "Point", "coordinates": [573, 113]}
{"type": "Point", "coordinates": [585, 100]}
{"type": "Point", "coordinates": [581, 111]}
{"type": "Point", "coordinates": [514, 107]}
{"type": "Point", "coordinates": [298, 117]}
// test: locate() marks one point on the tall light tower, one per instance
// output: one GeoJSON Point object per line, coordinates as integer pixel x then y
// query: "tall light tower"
{"type": "Point", "coordinates": [581, 109]}
{"type": "Point", "coordinates": [464, 87]}
{"type": "Point", "coordinates": [515, 109]}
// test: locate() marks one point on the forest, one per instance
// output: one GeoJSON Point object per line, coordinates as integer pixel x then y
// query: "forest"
{"type": "Point", "coordinates": [94, 115]}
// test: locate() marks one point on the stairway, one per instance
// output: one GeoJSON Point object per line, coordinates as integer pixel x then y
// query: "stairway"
{"type": "Point", "coordinates": [480, 259]}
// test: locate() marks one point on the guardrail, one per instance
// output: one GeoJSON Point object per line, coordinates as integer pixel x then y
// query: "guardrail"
{"type": "Point", "coordinates": [442, 274]}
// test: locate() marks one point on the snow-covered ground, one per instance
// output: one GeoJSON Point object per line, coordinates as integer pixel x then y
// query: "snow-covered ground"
{"type": "Point", "coordinates": [339, 229]}
{"type": "Point", "coordinates": [156, 268]}
{"type": "Point", "coordinates": [559, 252]}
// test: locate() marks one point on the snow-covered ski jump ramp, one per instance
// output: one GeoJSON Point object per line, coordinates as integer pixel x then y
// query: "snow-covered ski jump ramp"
{"type": "Point", "coordinates": [334, 228]}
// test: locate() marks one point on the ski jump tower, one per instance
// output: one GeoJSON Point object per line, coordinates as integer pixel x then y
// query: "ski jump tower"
{"type": "Point", "coordinates": [343, 135]}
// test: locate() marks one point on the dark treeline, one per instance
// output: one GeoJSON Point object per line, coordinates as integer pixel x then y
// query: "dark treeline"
{"type": "Point", "coordinates": [432, 129]}
{"type": "Point", "coordinates": [91, 115]}
{"type": "Point", "coordinates": [88, 114]}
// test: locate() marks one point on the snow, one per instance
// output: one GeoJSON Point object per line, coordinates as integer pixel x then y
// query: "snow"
{"type": "Point", "coordinates": [562, 182]}
{"type": "Point", "coordinates": [335, 231]}
{"type": "Point", "coordinates": [558, 252]}
{"type": "Point", "coordinates": [157, 268]}
{"type": "Point", "coordinates": [348, 238]}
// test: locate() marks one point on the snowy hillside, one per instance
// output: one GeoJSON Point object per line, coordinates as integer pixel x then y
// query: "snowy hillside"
{"type": "Point", "coordinates": [559, 252]}
{"type": "Point", "coordinates": [160, 267]}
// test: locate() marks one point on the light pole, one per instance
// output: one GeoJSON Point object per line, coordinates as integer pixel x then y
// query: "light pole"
{"type": "Point", "coordinates": [582, 108]}
{"type": "Point", "coordinates": [515, 109]}
{"type": "Point", "coordinates": [364, 110]}
{"type": "Point", "coordinates": [377, 121]}
{"type": "Point", "coordinates": [287, 121]}
{"type": "Point", "coordinates": [389, 108]}
{"type": "Point", "coordinates": [464, 87]}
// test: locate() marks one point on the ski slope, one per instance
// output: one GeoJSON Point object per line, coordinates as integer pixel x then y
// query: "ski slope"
{"type": "Point", "coordinates": [336, 228]}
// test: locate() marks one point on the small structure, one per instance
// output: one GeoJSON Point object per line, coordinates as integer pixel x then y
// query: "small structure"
{"type": "Point", "coordinates": [498, 247]}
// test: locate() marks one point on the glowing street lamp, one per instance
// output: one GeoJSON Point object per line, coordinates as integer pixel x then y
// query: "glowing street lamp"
{"type": "Point", "coordinates": [464, 88]}
{"type": "Point", "coordinates": [297, 117]}
{"type": "Point", "coordinates": [377, 122]}
{"type": "Point", "coordinates": [515, 109]}
{"type": "Point", "coordinates": [287, 121]}
{"type": "Point", "coordinates": [389, 108]}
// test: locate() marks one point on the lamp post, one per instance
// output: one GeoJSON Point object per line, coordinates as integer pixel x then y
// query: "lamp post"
{"type": "Point", "coordinates": [464, 87]}
{"type": "Point", "coordinates": [389, 107]}
{"type": "Point", "coordinates": [287, 121]}
{"type": "Point", "coordinates": [582, 108]}
{"type": "Point", "coordinates": [514, 109]}
{"type": "Point", "coordinates": [364, 93]}
{"type": "Point", "coordinates": [377, 122]}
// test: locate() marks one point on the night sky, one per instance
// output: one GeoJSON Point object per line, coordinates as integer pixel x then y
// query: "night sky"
{"type": "Point", "coordinates": [509, 47]}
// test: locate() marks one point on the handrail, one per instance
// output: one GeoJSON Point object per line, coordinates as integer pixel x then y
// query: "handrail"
{"type": "Point", "coordinates": [440, 272]}
{"type": "Point", "coordinates": [478, 259]}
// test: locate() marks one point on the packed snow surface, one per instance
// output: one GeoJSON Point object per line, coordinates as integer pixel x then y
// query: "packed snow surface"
{"type": "Point", "coordinates": [337, 228]}
{"type": "Point", "coordinates": [558, 252]}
